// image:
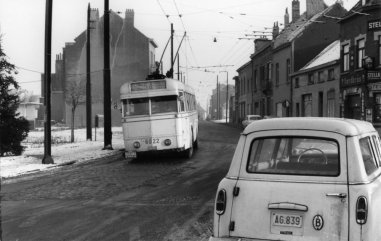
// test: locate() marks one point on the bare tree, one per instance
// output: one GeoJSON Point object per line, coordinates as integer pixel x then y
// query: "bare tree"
{"type": "Point", "coordinates": [75, 95]}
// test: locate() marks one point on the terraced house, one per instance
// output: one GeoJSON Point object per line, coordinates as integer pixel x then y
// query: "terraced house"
{"type": "Point", "coordinates": [300, 41]}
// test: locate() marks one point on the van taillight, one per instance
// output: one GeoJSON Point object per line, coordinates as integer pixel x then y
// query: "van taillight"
{"type": "Point", "coordinates": [221, 202]}
{"type": "Point", "coordinates": [361, 210]}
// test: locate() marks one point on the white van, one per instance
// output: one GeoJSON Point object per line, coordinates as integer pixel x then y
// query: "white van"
{"type": "Point", "coordinates": [302, 179]}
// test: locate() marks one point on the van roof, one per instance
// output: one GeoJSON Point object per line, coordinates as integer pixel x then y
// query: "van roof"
{"type": "Point", "coordinates": [347, 127]}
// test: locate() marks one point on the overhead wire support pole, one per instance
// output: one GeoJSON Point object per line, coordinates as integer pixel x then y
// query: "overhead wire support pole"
{"type": "Point", "coordinates": [107, 80]}
{"type": "Point", "coordinates": [227, 95]}
{"type": "Point", "coordinates": [88, 78]}
{"type": "Point", "coordinates": [47, 72]}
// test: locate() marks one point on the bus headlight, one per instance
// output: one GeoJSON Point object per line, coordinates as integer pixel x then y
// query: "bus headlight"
{"type": "Point", "coordinates": [167, 142]}
{"type": "Point", "coordinates": [136, 144]}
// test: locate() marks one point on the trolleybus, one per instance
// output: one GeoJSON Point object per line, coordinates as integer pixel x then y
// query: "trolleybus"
{"type": "Point", "coordinates": [158, 114]}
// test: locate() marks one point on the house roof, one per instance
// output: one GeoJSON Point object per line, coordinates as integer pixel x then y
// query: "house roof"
{"type": "Point", "coordinates": [243, 66]}
{"type": "Point", "coordinates": [358, 8]}
{"type": "Point", "coordinates": [290, 32]}
{"type": "Point", "coordinates": [329, 54]}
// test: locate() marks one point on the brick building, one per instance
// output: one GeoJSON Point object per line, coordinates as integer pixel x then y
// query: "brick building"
{"type": "Point", "coordinates": [316, 86]}
{"type": "Point", "coordinates": [360, 80]}
{"type": "Point", "coordinates": [132, 57]}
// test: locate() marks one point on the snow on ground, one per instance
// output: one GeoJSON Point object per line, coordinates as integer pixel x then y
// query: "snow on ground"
{"type": "Point", "coordinates": [63, 152]}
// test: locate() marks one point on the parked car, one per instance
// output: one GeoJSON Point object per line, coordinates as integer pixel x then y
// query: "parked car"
{"type": "Point", "coordinates": [249, 119]}
{"type": "Point", "coordinates": [302, 179]}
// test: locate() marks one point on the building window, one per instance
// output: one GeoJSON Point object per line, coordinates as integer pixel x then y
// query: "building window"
{"type": "Point", "coordinates": [262, 76]}
{"type": "Point", "coordinates": [360, 52]}
{"type": "Point", "coordinates": [331, 103]}
{"type": "Point", "coordinates": [320, 103]}
{"type": "Point", "coordinates": [377, 107]}
{"type": "Point", "coordinates": [307, 105]}
{"type": "Point", "coordinates": [346, 57]}
{"type": "Point", "coordinates": [320, 76]}
{"type": "Point", "coordinates": [255, 80]}
{"type": "Point", "coordinates": [311, 80]}
{"type": "Point", "coordinates": [297, 82]}
{"type": "Point", "coordinates": [331, 74]}
{"type": "Point", "coordinates": [288, 64]}
{"type": "Point", "coordinates": [297, 109]}
{"type": "Point", "coordinates": [277, 74]}
{"type": "Point", "coordinates": [268, 73]}
{"type": "Point", "coordinates": [279, 109]}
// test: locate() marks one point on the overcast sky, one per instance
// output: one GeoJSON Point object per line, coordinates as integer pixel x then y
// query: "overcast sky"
{"type": "Point", "coordinates": [22, 27]}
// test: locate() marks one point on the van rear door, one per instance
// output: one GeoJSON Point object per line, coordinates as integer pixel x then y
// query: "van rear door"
{"type": "Point", "coordinates": [292, 187]}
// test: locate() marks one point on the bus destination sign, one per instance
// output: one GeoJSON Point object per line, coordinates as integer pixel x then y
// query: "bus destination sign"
{"type": "Point", "coordinates": [148, 85]}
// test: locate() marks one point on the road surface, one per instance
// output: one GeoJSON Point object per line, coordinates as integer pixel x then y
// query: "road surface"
{"type": "Point", "coordinates": [157, 198]}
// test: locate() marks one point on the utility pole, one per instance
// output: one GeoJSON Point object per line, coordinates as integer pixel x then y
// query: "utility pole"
{"type": "Point", "coordinates": [178, 67]}
{"type": "Point", "coordinates": [218, 99]}
{"type": "Point", "coordinates": [107, 80]}
{"type": "Point", "coordinates": [227, 95]}
{"type": "Point", "coordinates": [88, 79]}
{"type": "Point", "coordinates": [47, 71]}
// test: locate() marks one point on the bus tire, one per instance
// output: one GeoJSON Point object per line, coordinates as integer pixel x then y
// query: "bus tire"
{"type": "Point", "coordinates": [189, 152]}
{"type": "Point", "coordinates": [195, 144]}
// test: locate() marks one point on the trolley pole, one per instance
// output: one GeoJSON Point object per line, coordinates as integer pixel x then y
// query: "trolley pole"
{"type": "Point", "coordinates": [47, 71]}
{"type": "Point", "coordinates": [172, 60]}
{"type": "Point", "coordinates": [107, 80]}
{"type": "Point", "coordinates": [88, 79]}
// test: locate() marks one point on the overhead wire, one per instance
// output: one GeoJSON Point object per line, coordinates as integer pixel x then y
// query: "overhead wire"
{"type": "Point", "coordinates": [162, 9]}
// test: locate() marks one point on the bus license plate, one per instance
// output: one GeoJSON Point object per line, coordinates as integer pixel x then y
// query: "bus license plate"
{"type": "Point", "coordinates": [130, 154]}
{"type": "Point", "coordinates": [286, 220]}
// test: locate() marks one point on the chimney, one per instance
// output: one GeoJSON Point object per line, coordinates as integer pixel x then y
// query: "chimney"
{"type": "Point", "coordinates": [295, 10]}
{"type": "Point", "coordinates": [129, 17]}
{"type": "Point", "coordinates": [275, 30]}
{"type": "Point", "coordinates": [286, 18]}
{"type": "Point", "coordinates": [314, 7]}
{"type": "Point", "coordinates": [259, 43]}
{"type": "Point", "coordinates": [94, 14]}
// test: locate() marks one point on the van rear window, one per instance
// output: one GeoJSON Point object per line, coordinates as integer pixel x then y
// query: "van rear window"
{"type": "Point", "coordinates": [294, 156]}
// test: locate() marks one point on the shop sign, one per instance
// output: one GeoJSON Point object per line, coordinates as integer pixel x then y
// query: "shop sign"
{"type": "Point", "coordinates": [374, 75]}
{"type": "Point", "coordinates": [352, 80]}
{"type": "Point", "coordinates": [374, 25]}
{"type": "Point", "coordinates": [353, 90]}
{"type": "Point", "coordinates": [374, 87]}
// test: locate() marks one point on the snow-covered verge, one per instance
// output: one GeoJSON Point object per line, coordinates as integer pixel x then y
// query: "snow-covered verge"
{"type": "Point", "coordinates": [63, 152]}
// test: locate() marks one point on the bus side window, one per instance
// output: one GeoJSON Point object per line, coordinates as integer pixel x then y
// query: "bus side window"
{"type": "Point", "coordinates": [124, 108]}
{"type": "Point", "coordinates": [181, 100]}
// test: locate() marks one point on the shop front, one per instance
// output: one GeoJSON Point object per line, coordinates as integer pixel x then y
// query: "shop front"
{"type": "Point", "coordinates": [361, 96]}
{"type": "Point", "coordinates": [353, 96]}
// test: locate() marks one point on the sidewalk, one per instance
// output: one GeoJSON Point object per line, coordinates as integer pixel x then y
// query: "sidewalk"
{"type": "Point", "coordinates": [62, 154]}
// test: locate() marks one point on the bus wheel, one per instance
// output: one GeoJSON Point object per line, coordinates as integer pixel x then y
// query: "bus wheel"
{"type": "Point", "coordinates": [189, 152]}
{"type": "Point", "coordinates": [195, 144]}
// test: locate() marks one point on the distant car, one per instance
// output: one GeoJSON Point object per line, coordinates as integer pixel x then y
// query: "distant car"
{"type": "Point", "coordinates": [249, 119]}
{"type": "Point", "coordinates": [302, 179]}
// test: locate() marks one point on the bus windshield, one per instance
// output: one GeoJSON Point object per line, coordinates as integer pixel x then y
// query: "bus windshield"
{"type": "Point", "coordinates": [137, 106]}
{"type": "Point", "coordinates": [164, 104]}
{"type": "Point", "coordinates": [159, 104]}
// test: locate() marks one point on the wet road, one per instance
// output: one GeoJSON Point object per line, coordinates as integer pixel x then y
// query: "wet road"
{"type": "Point", "coordinates": [157, 198]}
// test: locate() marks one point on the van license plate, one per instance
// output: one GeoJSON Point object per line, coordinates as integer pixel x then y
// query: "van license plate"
{"type": "Point", "coordinates": [130, 154]}
{"type": "Point", "coordinates": [286, 220]}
